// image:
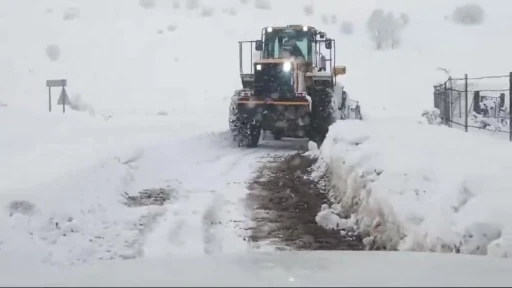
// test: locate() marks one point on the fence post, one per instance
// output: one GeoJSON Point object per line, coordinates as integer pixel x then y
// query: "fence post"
{"type": "Point", "coordinates": [476, 102]}
{"type": "Point", "coordinates": [435, 96]}
{"type": "Point", "coordinates": [445, 102]}
{"type": "Point", "coordinates": [450, 101]}
{"type": "Point", "coordinates": [510, 106]}
{"type": "Point", "coordinates": [50, 99]}
{"type": "Point", "coordinates": [466, 102]}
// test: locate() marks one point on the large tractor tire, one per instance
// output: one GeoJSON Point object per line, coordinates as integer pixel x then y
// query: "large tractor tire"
{"type": "Point", "coordinates": [324, 113]}
{"type": "Point", "coordinates": [250, 136]}
{"type": "Point", "coordinates": [246, 133]}
{"type": "Point", "coordinates": [234, 121]}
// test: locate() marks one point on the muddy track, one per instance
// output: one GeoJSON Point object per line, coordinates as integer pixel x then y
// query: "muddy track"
{"type": "Point", "coordinates": [284, 201]}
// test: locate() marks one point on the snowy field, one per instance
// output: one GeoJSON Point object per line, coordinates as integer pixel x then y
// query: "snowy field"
{"type": "Point", "coordinates": [150, 83]}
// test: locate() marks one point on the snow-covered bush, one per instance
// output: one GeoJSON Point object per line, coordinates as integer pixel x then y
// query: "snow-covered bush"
{"type": "Point", "coordinates": [230, 11]}
{"type": "Point", "coordinates": [433, 116]}
{"type": "Point", "coordinates": [53, 52]}
{"type": "Point", "coordinates": [491, 124]}
{"type": "Point", "coordinates": [384, 28]}
{"type": "Point", "coordinates": [176, 4]}
{"type": "Point", "coordinates": [309, 10]}
{"type": "Point", "coordinates": [147, 4]}
{"type": "Point", "coordinates": [404, 18]}
{"type": "Point", "coordinates": [206, 12]}
{"type": "Point", "coordinates": [262, 4]}
{"type": "Point", "coordinates": [470, 14]}
{"type": "Point", "coordinates": [172, 27]}
{"type": "Point", "coordinates": [192, 4]}
{"type": "Point", "coordinates": [334, 19]}
{"type": "Point", "coordinates": [347, 28]}
{"type": "Point", "coordinates": [22, 207]}
{"type": "Point", "coordinates": [71, 13]}
{"type": "Point", "coordinates": [325, 19]}
{"type": "Point", "coordinates": [78, 104]}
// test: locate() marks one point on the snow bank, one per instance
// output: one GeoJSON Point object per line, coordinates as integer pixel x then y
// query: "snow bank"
{"type": "Point", "coordinates": [420, 187]}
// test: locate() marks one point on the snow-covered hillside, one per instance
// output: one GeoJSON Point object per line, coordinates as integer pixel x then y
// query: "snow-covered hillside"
{"type": "Point", "coordinates": [153, 81]}
{"type": "Point", "coordinates": [120, 56]}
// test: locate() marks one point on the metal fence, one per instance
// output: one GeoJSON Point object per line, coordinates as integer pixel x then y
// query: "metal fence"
{"type": "Point", "coordinates": [476, 104]}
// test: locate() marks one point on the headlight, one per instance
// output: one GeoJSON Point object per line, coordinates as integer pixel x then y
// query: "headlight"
{"type": "Point", "coordinates": [287, 66]}
{"type": "Point", "coordinates": [258, 67]}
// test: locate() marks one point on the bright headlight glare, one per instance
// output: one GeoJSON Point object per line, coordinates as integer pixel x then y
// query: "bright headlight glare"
{"type": "Point", "coordinates": [269, 29]}
{"type": "Point", "coordinates": [287, 66]}
{"type": "Point", "coordinates": [258, 67]}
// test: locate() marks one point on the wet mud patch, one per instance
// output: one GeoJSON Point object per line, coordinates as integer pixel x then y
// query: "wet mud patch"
{"type": "Point", "coordinates": [153, 200]}
{"type": "Point", "coordinates": [149, 197]}
{"type": "Point", "coordinates": [285, 200]}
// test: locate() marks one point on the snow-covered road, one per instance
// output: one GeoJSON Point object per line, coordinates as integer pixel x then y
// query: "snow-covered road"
{"type": "Point", "coordinates": [208, 176]}
{"type": "Point", "coordinates": [284, 269]}
{"type": "Point", "coordinates": [151, 81]}
{"type": "Point", "coordinates": [81, 217]}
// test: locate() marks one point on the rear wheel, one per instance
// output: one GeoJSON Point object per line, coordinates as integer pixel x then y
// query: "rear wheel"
{"type": "Point", "coordinates": [245, 132]}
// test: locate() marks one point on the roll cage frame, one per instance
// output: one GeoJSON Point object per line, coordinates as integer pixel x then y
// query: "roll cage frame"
{"type": "Point", "coordinates": [318, 60]}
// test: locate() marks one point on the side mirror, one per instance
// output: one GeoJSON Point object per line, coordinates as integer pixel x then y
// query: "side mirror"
{"type": "Point", "coordinates": [339, 70]}
{"type": "Point", "coordinates": [322, 35]}
{"type": "Point", "coordinates": [259, 45]}
{"type": "Point", "coordinates": [328, 44]}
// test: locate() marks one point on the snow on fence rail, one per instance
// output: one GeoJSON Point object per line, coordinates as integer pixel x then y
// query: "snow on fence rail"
{"type": "Point", "coordinates": [476, 103]}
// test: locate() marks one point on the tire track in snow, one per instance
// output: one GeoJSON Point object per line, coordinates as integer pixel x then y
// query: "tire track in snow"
{"type": "Point", "coordinates": [209, 213]}
{"type": "Point", "coordinates": [192, 225]}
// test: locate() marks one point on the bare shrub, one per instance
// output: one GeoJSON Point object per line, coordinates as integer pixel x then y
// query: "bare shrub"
{"type": "Point", "coordinates": [470, 14]}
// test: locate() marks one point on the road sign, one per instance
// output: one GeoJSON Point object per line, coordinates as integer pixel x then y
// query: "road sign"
{"type": "Point", "coordinates": [63, 98]}
{"type": "Point", "coordinates": [56, 83]}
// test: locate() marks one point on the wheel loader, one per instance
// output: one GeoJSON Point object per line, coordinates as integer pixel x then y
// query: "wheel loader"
{"type": "Point", "coordinates": [289, 88]}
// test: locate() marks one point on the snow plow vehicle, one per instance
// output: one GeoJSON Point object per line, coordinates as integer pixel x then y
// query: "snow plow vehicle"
{"type": "Point", "coordinates": [290, 89]}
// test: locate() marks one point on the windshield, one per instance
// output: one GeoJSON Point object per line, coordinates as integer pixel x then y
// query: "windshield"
{"type": "Point", "coordinates": [285, 43]}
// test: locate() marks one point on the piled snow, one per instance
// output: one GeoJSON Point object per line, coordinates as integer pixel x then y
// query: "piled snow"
{"type": "Point", "coordinates": [329, 218]}
{"type": "Point", "coordinates": [420, 187]}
